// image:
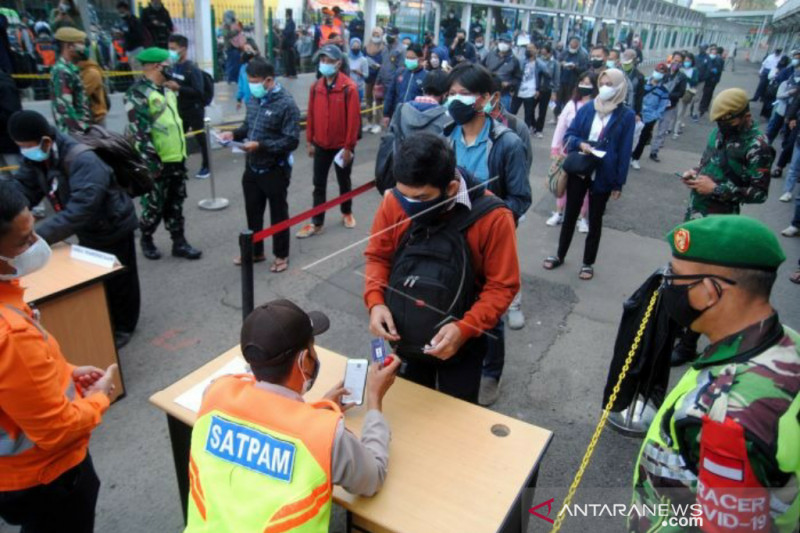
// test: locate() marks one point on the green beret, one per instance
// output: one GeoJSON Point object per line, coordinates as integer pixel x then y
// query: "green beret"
{"type": "Point", "coordinates": [728, 240]}
{"type": "Point", "coordinates": [728, 104]}
{"type": "Point", "coordinates": [152, 55]}
{"type": "Point", "coordinates": [68, 34]}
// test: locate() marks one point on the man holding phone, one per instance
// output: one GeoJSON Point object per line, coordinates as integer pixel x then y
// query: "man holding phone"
{"type": "Point", "coordinates": [278, 455]}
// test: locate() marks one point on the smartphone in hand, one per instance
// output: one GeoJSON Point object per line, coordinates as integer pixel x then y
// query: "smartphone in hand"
{"type": "Point", "coordinates": [355, 380]}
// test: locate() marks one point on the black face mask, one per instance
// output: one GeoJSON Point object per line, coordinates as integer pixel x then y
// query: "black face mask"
{"type": "Point", "coordinates": [675, 299]}
{"type": "Point", "coordinates": [528, 54]}
{"type": "Point", "coordinates": [461, 112]}
{"type": "Point", "coordinates": [167, 72]}
{"type": "Point", "coordinates": [585, 91]}
{"type": "Point", "coordinates": [247, 57]}
{"type": "Point", "coordinates": [729, 130]}
{"type": "Point", "coordinates": [596, 63]}
{"type": "Point", "coordinates": [390, 40]}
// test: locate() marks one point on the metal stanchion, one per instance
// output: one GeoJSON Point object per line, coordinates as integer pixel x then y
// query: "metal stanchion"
{"type": "Point", "coordinates": [248, 289]}
{"type": "Point", "coordinates": [213, 203]}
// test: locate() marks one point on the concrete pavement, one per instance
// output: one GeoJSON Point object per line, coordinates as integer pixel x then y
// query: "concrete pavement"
{"type": "Point", "coordinates": [556, 366]}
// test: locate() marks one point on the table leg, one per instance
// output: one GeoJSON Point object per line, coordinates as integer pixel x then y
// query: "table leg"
{"type": "Point", "coordinates": [517, 519]}
{"type": "Point", "coordinates": [180, 436]}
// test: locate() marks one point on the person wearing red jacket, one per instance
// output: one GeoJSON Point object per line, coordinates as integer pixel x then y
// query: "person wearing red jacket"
{"type": "Point", "coordinates": [332, 126]}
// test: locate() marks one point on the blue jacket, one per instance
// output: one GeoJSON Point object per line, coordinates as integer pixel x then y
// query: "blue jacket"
{"type": "Point", "coordinates": [243, 92]}
{"type": "Point", "coordinates": [406, 85]}
{"type": "Point", "coordinates": [655, 101]}
{"type": "Point", "coordinates": [507, 162]}
{"type": "Point", "coordinates": [612, 173]}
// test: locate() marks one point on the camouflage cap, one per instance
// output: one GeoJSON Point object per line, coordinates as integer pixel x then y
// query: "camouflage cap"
{"type": "Point", "coordinates": [729, 104]}
{"type": "Point", "coordinates": [153, 55]}
{"type": "Point", "coordinates": [728, 240]}
{"type": "Point", "coordinates": [68, 34]}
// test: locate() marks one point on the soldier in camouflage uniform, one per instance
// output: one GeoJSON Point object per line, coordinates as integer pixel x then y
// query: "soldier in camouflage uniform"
{"type": "Point", "coordinates": [734, 170]}
{"type": "Point", "coordinates": [70, 105]}
{"type": "Point", "coordinates": [725, 444]}
{"type": "Point", "coordinates": [157, 132]}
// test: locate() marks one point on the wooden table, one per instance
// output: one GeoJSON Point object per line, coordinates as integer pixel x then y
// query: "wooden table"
{"type": "Point", "coordinates": [71, 297]}
{"type": "Point", "coordinates": [448, 469]}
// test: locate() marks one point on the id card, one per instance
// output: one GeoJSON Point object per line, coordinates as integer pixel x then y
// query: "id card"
{"type": "Point", "coordinates": [378, 351]}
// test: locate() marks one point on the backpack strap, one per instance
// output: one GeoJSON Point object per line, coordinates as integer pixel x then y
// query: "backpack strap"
{"type": "Point", "coordinates": [481, 206]}
{"type": "Point", "coordinates": [72, 154]}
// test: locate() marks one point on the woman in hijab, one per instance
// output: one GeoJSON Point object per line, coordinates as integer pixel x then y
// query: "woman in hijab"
{"type": "Point", "coordinates": [438, 59]}
{"type": "Point", "coordinates": [374, 52]}
{"type": "Point", "coordinates": [605, 124]}
{"type": "Point", "coordinates": [359, 66]}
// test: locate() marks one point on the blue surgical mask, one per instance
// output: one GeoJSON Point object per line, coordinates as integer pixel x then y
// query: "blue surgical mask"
{"type": "Point", "coordinates": [35, 153]}
{"type": "Point", "coordinates": [327, 69]}
{"type": "Point", "coordinates": [412, 64]}
{"type": "Point", "coordinates": [488, 107]}
{"type": "Point", "coordinates": [658, 76]}
{"type": "Point", "coordinates": [611, 64]}
{"type": "Point", "coordinates": [687, 64]}
{"type": "Point", "coordinates": [174, 56]}
{"type": "Point", "coordinates": [795, 62]}
{"type": "Point", "coordinates": [421, 212]}
{"type": "Point", "coordinates": [712, 56]}
{"type": "Point", "coordinates": [257, 90]}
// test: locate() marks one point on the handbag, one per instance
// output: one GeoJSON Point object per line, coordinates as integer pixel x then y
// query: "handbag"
{"type": "Point", "coordinates": [557, 177]}
{"type": "Point", "coordinates": [580, 164]}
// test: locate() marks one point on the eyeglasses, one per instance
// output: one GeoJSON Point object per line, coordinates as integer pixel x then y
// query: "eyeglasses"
{"type": "Point", "coordinates": [669, 277]}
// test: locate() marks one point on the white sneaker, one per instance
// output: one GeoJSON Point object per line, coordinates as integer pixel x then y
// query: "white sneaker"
{"type": "Point", "coordinates": [675, 137]}
{"type": "Point", "coordinates": [516, 320]}
{"type": "Point", "coordinates": [552, 122]}
{"type": "Point", "coordinates": [539, 135]}
{"type": "Point", "coordinates": [555, 219]}
{"type": "Point", "coordinates": [376, 129]}
{"type": "Point", "coordinates": [366, 128]}
{"type": "Point", "coordinates": [786, 197]}
{"type": "Point", "coordinates": [583, 226]}
{"type": "Point", "coordinates": [635, 165]}
{"type": "Point", "coordinates": [791, 231]}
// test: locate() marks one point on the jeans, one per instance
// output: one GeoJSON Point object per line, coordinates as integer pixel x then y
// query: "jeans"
{"type": "Point", "coordinates": [577, 187]}
{"type": "Point", "coordinates": [495, 358]}
{"type": "Point", "coordinates": [787, 147]}
{"type": "Point", "coordinates": [273, 187]}
{"type": "Point", "coordinates": [323, 159]}
{"type": "Point", "coordinates": [232, 64]}
{"type": "Point", "coordinates": [796, 218]}
{"type": "Point", "coordinates": [505, 101]}
{"type": "Point", "coordinates": [666, 124]}
{"type": "Point", "coordinates": [774, 127]}
{"type": "Point", "coordinates": [794, 172]}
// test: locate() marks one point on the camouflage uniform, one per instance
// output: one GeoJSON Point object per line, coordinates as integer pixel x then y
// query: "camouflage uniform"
{"type": "Point", "coordinates": [749, 159]}
{"type": "Point", "coordinates": [166, 199]}
{"type": "Point", "coordinates": [753, 375]}
{"type": "Point", "coordinates": [70, 106]}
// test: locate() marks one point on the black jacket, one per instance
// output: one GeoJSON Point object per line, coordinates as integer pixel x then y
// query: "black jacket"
{"type": "Point", "coordinates": [9, 104]}
{"type": "Point", "coordinates": [190, 96]}
{"type": "Point", "coordinates": [273, 121]}
{"type": "Point", "coordinates": [635, 97]}
{"type": "Point", "coordinates": [159, 23]}
{"type": "Point", "coordinates": [649, 372]}
{"type": "Point", "coordinates": [92, 205]}
{"type": "Point", "coordinates": [134, 36]}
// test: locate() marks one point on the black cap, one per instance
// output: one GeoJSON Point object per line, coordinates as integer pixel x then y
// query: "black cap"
{"type": "Point", "coordinates": [277, 330]}
{"type": "Point", "coordinates": [330, 50]}
{"type": "Point", "coordinates": [28, 126]}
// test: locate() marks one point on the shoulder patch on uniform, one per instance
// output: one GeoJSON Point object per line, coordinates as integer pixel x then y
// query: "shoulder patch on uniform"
{"type": "Point", "coordinates": [251, 449]}
{"type": "Point", "coordinates": [683, 240]}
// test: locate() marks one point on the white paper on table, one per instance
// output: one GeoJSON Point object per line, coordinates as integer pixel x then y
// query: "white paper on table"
{"type": "Point", "coordinates": [237, 150]}
{"type": "Point", "coordinates": [339, 159]}
{"type": "Point", "coordinates": [598, 153]}
{"type": "Point", "coordinates": [192, 398]}
{"type": "Point", "coordinates": [95, 257]}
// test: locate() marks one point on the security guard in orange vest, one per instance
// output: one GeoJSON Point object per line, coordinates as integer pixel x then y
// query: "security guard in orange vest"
{"type": "Point", "coordinates": [48, 407]}
{"type": "Point", "coordinates": [263, 460]}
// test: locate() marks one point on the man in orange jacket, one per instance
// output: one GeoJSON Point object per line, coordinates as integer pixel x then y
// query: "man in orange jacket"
{"type": "Point", "coordinates": [402, 298]}
{"type": "Point", "coordinates": [48, 407]}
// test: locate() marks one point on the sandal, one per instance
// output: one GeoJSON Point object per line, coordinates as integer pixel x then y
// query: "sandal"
{"type": "Point", "coordinates": [256, 259]}
{"type": "Point", "coordinates": [279, 265]}
{"type": "Point", "coordinates": [586, 273]}
{"type": "Point", "coordinates": [552, 263]}
{"type": "Point", "coordinates": [795, 278]}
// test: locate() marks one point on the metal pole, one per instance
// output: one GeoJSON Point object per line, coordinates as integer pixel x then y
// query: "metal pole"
{"type": "Point", "coordinates": [271, 54]}
{"type": "Point", "coordinates": [213, 203]}
{"type": "Point", "coordinates": [248, 289]}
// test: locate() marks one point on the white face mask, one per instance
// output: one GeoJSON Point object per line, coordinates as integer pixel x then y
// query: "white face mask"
{"type": "Point", "coordinates": [606, 93]}
{"type": "Point", "coordinates": [503, 47]}
{"type": "Point", "coordinates": [307, 382]}
{"type": "Point", "coordinates": [34, 258]}
{"type": "Point", "coordinates": [377, 40]}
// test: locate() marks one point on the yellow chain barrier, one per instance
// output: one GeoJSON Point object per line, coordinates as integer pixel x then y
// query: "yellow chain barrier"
{"type": "Point", "coordinates": [106, 73]}
{"type": "Point", "coordinates": [604, 417]}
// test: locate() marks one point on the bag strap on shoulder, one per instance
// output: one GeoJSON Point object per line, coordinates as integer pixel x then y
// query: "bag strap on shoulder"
{"type": "Point", "coordinates": [481, 206]}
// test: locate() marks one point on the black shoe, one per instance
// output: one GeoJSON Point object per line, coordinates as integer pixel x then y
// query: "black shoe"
{"type": "Point", "coordinates": [184, 249]}
{"type": "Point", "coordinates": [654, 157]}
{"type": "Point", "coordinates": [680, 356]}
{"type": "Point", "coordinates": [777, 173]}
{"type": "Point", "coordinates": [149, 249]}
{"type": "Point", "coordinates": [121, 338]}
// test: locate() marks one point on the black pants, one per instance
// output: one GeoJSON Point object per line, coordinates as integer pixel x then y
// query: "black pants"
{"type": "Point", "coordinates": [708, 94]}
{"type": "Point", "coordinates": [644, 139]}
{"type": "Point", "coordinates": [542, 102]}
{"type": "Point", "coordinates": [290, 62]}
{"type": "Point", "coordinates": [272, 186]}
{"type": "Point", "coordinates": [530, 109]}
{"type": "Point", "coordinates": [122, 290]}
{"type": "Point", "coordinates": [64, 506]}
{"type": "Point", "coordinates": [576, 191]}
{"type": "Point", "coordinates": [194, 120]}
{"type": "Point", "coordinates": [459, 376]}
{"type": "Point", "coordinates": [323, 159]}
{"type": "Point", "coordinates": [787, 146]}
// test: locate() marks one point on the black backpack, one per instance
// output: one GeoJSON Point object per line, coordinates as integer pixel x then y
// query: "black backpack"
{"type": "Point", "coordinates": [130, 170]}
{"type": "Point", "coordinates": [208, 88]}
{"type": "Point", "coordinates": [432, 281]}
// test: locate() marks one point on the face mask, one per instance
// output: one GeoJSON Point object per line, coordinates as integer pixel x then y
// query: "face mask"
{"type": "Point", "coordinates": [795, 62]}
{"type": "Point", "coordinates": [424, 213]}
{"type": "Point", "coordinates": [503, 47]}
{"type": "Point", "coordinates": [687, 64]}
{"type": "Point", "coordinates": [675, 299]}
{"type": "Point", "coordinates": [727, 129]}
{"type": "Point", "coordinates": [712, 56]}
{"type": "Point", "coordinates": [412, 64]}
{"type": "Point", "coordinates": [308, 383]}
{"type": "Point", "coordinates": [29, 261]}
{"type": "Point", "coordinates": [257, 90]}
{"type": "Point", "coordinates": [174, 56]}
{"type": "Point", "coordinates": [327, 69]}
{"type": "Point", "coordinates": [488, 107]}
{"type": "Point", "coordinates": [435, 62]}
{"type": "Point", "coordinates": [64, 8]}
{"type": "Point", "coordinates": [461, 108]}
{"type": "Point", "coordinates": [627, 67]}
{"type": "Point", "coordinates": [573, 50]}
{"type": "Point", "coordinates": [479, 45]}
{"type": "Point", "coordinates": [657, 75]}
{"type": "Point", "coordinates": [585, 91]}
{"type": "Point", "coordinates": [246, 57]}
{"type": "Point", "coordinates": [389, 40]}
{"type": "Point", "coordinates": [596, 62]}
{"type": "Point", "coordinates": [611, 64]}
{"type": "Point", "coordinates": [606, 93]}
{"type": "Point", "coordinates": [355, 52]}
{"type": "Point", "coordinates": [35, 154]}
{"type": "Point", "coordinates": [376, 40]}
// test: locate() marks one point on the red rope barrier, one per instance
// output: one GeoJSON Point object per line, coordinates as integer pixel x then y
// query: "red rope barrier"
{"type": "Point", "coordinates": [286, 224]}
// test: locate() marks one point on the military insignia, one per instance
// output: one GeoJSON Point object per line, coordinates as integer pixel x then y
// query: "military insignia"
{"type": "Point", "coordinates": [682, 240]}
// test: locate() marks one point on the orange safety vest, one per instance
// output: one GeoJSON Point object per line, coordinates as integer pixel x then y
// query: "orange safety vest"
{"type": "Point", "coordinates": [47, 51]}
{"type": "Point", "coordinates": [274, 455]}
{"type": "Point", "coordinates": [326, 31]}
{"type": "Point", "coordinates": [122, 56]}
